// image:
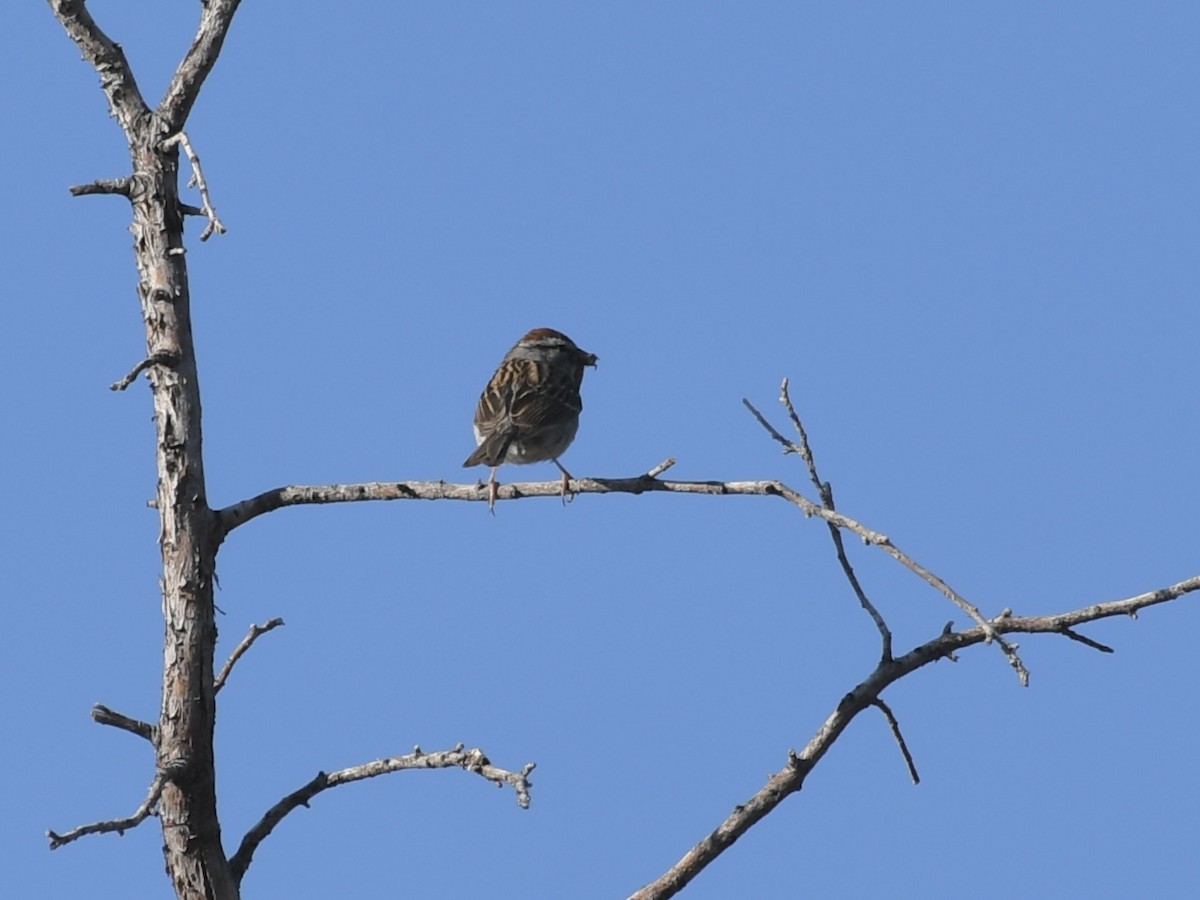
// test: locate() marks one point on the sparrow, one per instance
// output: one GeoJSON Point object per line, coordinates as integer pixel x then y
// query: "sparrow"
{"type": "Point", "coordinates": [529, 411]}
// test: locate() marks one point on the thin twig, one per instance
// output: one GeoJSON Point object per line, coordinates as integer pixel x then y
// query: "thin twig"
{"type": "Point", "coordinates": [788, 446]}
{"type": "Point", "coordinates": [197, 181]}
{"type": "Point", "coordinates": [1083, 639]}
{"type": "Point", "coordinates": [120, 826]}
{"type": "Point", "coordinates": [661, 467]}
{"type": "Point", "coordinates": [885, 633]}
{"type": "Point", "coordinates": [163, 358]}
{"type": "Point", "coordinates": [255, 632]}
{"type": "Point", "coordinates": [472, 760]}
{"type": "Point", "coordinates": [895, 726]}
{"type": "Point", "coordinates": [825, 491]}
{"type": "Point", "coordinates": [102, 715]}
{"type": "Point", "coordinates": [804, 450]}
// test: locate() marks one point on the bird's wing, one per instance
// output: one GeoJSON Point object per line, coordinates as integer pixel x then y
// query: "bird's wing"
{"type": "Point", "coordinates": [538, 399]}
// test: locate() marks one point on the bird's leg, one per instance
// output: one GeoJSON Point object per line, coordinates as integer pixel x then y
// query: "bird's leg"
{"type": "Point", "coordinates": [493, 490]}
{"type": "Point", "coordinates": [565, 482]}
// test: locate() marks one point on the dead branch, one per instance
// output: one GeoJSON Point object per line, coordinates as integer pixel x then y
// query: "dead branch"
{"type": "Point", "coordinates": [661, 467]}
{"type": "Point", "coordinates": [162, 358]}
{"type": "Point", "coordinates": [215, 19]}
{"type": "Point", "coordinates": [197, 181]}
{"type": "Point", "coordinates": [122, 186]}
{"type": "Point", "coordinates": [825, 492]}
{"type": "Point", "coordinates": [102, 715]}
{"type": "Point", "coordinates": [255, 632]}
{"type": "Point", "coordinates": [240, 513]}
{"type": "Point", "coordinates": [894, 724]}
{"type": "Point", "coordinates": [120, 826]}
{"type": "Point", "coordinates": [472, 760]}
{"type": "Point", "coordinates": [791, 778]}
{"type": "Point", "coordinates": [1076, 636]}
{"type": "Point", "coordinates": [107, 58]}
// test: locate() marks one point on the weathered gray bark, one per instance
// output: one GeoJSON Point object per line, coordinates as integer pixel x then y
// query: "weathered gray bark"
{"type": "Point", "coordinates": [187, 805]}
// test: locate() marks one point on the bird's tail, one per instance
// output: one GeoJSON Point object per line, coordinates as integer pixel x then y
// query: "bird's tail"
{"type": "Point", "coordinates": [492, 451]}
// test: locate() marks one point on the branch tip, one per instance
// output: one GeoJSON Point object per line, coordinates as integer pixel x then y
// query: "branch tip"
{"type": "Point", "coordinates": [1085, 640]}
{"type": "Point", "coordinates": [661, 467]}
{"type": "Point", "coordinates": [894, 724]}
{"type": "Point", "coordinates": [121, 186]}
{"type": "Point", "coordinates": [102, 715]}
{"type": "Point", "coordinates": [162, 358]}
{"type": "Point", "coordinates": [255, 632]}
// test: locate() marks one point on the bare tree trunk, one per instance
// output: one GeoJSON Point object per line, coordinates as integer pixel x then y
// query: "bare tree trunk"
{"type": "Point", "coordinates": [188, 806]}
{"type": "Point", "coordinates": [184, 784]}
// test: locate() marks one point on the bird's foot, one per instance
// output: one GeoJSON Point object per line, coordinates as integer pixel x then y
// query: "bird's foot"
{"type": "Point", "coordinates": [567, 495]}
{"type": "Point", "coordinates": [493, 490]}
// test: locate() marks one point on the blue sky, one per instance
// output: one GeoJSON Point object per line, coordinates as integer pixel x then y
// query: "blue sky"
{"type": "Point", "coordinates": [966, 233]}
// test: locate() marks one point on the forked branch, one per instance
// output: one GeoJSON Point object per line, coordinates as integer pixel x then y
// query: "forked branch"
{"type": "Point", "coordinates": [791, 778]}
{"type": "Point", "coordinates": [472, 760]}
{"type": "Point", "coordinates": [825, 492]}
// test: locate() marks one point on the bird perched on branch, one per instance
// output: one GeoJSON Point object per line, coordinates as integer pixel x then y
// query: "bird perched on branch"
{"type": "Point", "coordinates": [529, 411]}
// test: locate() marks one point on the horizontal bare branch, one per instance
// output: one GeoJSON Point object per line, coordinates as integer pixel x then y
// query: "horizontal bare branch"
{"type": "Point", "coordinates": [791, 778]}
{"type": "Point", "coordinates": [122, 186]}
{"type": "Point", "coordinates": [302, 495]}
{"type": "Point", "coordinates": [472, 760]}
{"type": "Point", "coordinates": [240, 513]}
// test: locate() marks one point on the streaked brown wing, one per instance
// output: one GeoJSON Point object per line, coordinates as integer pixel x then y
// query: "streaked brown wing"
{"type": "Point", "coordinates": [492, 411]}
{"type": "Point", "coordinates": [522, 397]}
{"type": "Point", "coordinates": [495, 428]}
{"type": "Point", "coordinates": [540, 400]}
